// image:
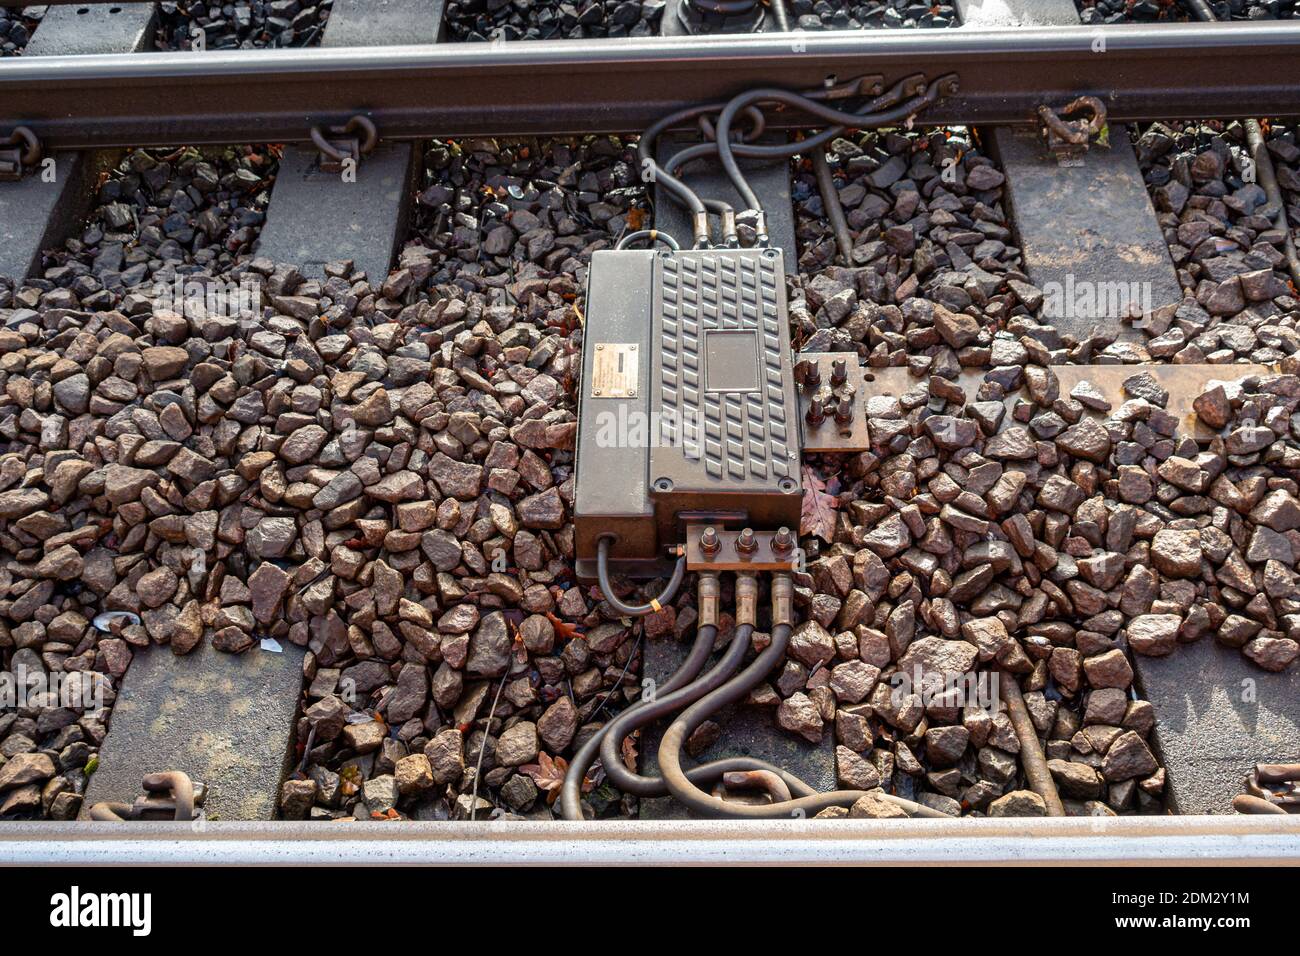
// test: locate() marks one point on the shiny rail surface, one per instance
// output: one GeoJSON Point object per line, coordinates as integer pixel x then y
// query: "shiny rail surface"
{"type": "Point", "coordinates": [1189, 70]}
{"type": "Point", "coordinates": [1072, 841]}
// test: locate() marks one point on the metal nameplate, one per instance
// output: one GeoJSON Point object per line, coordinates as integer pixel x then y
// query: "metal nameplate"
{"type": "Point", "coordinates": [614, 370]}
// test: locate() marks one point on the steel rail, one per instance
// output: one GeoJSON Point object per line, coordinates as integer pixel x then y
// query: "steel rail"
{"type": "Point", "coordinates": [1072, 841]}
{"type": "Point", "coordinates": [1170, 71]}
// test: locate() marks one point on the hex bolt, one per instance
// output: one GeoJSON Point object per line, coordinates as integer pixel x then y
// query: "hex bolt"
{"type": "Point", "coordinates": [839, 372]}
{"type": "Point", "coordinates": [710, 543]}
{"type": "Point", "coordinates": [844, 412]}
{"type": "Point", "coordinates": [782, 541]}
{"type": "Point", "coordinates": [813, 377]}
{"type": "Point", "coordinates": [746, 541]}
{"type": "Point", "coordinates": [816, 412]}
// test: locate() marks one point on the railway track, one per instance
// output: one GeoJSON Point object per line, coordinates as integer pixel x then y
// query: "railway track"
{"type": "Point", "coordinates": [311, 414]}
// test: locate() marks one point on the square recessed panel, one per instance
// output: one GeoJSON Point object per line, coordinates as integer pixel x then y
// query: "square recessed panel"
{"type": "Point", "coordinates": [731, 361]}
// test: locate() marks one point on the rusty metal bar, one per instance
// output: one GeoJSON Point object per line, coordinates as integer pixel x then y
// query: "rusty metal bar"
{"type": "Point", "coordinates": [1265, 172]}
{"type": "Point", "coordinates": [1031, 749]}
{"type": "Point", "coordinates": [1146, 72]}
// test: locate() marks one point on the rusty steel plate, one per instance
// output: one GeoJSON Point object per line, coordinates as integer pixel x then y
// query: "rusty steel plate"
{"type": "Point", "coordinates": [830, 435]}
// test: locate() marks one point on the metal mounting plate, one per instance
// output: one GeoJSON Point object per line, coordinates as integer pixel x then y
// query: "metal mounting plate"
{"type": "Point", "coordinates": [729, 558]}
{"type": "Point", "coordinates": [829, 436]}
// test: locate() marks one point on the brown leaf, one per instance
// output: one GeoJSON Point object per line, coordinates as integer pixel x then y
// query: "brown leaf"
{"type": "Point", "coordinates": [548, 773]}
{"type": "Point", "coordinates": [563, 628]}
{"type": "Point", "coordinates": [517, 645]}
{"type": "Point", "coordinates": [630, 751]}
{"type": "Point", "coordinates": [819, 508]}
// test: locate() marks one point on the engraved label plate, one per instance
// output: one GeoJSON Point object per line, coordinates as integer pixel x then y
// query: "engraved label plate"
{"type": "Point", "coordinates": [614, 370]}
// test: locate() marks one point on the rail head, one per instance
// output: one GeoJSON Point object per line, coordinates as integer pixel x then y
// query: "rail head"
{"type": "Point", "coordinates": [1073, 841]}
{"type": "Point", "coordinates": [1140, 72]}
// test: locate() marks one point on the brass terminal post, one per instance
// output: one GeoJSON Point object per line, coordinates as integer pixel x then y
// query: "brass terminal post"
{"type": "Point", "coordinates": [783, 599]}
{"type": "Point", "coordinates": [709, 597]}
{"type": "Point", "coordinates": [747, 599]}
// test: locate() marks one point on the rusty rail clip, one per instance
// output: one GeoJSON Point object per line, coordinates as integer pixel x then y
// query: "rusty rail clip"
{"type": "Point", "coordinates": [870, 84]}
{"type": "Point", "coordinates": [169, 795]}
{"type": "Point", "coordinates": [22, 148]}
{"type": "Point", "coordinates": [1068, 139]}
{"type": "Point", "coordinates": [338, 144]}
{"type": "Point", "coordinates": [1271, 788]}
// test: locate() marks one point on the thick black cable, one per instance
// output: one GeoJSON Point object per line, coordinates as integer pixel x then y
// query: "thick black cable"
{"type": "Point", "coordinates": [634, 610]}
{"type": "Point", "coordinates": [840, 120]}
{"type": "Point", "coordinates": [675, 187]}
{"type": "Point", "coordinates": [644, 149]}
{"type": "Point", "coordinates": [571, 790]}
{"type": "Point", "coordinates": [832, 206]}
{"type": "Point", "coordinates": [664, 704]}
{"type": "Point", "coordinates": [744, 146]}
{"type": "Point", "coordinates": [686, 792]}
{"type": "Point", "coordinates": [687, 196]}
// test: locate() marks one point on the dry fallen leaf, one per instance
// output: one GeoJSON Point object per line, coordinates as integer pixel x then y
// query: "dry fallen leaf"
{"type": "Point", "coordinates": [563, 628]}
{"type": "Point", "coordinates": [630, 751]}
{"type": "Point", "coordinates": [819, 508]}
{"type": "Point", "coordinates": [548, 773]}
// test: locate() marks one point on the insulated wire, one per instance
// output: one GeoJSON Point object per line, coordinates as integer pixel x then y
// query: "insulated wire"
{"type": "Point", "coordinates": [653, 235]}
{"type": "Point", "coordinates": [675, 187]}
{"type": "Point", "coordinates": [912, 88]}
{"type": "Point", "coordinates": [664, 704]}
{"type": "Point", "coordinates": [831, 204]}
{"type": "Point", "coordinates": [634, 610]}
{"type": "Point", "coordinates": [686, 792]}
{"type": "Point", "coordinates": [571, 790]}
{"type": "Point", "coordinates": [840, 119]}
